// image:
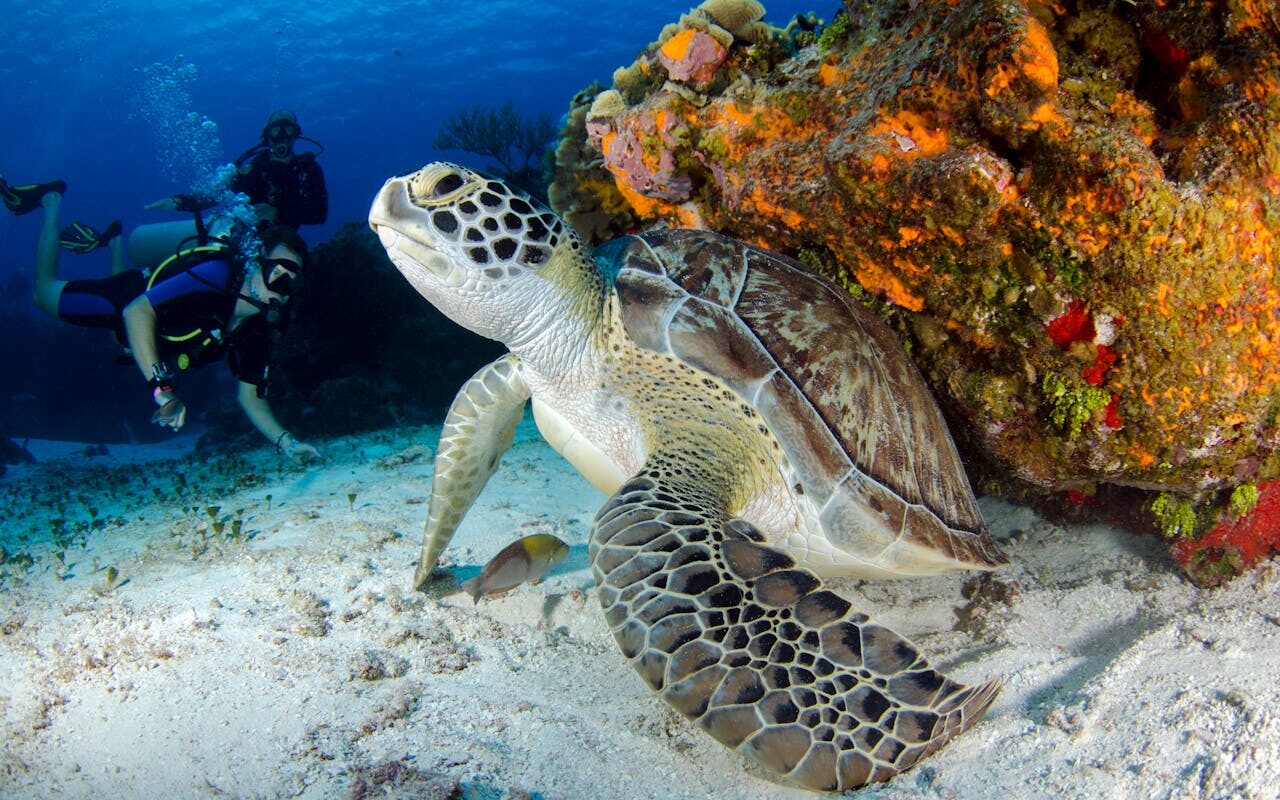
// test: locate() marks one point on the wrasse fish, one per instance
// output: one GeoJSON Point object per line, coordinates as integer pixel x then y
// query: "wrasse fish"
{"type": "Point", "coordinates": [526, 559]}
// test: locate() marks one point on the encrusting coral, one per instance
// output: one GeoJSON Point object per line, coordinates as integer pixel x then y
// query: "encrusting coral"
{"type": "Point", "coordinates": [590, 202]}
{"type": "Point", "coordinates": [1072, 213]}
{"type": "Point", "coordinates": [692, 55]}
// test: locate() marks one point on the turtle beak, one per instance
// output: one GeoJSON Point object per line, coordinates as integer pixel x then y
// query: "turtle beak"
{"type": "Point", "coordinates": [390, 207]}
{"type": "Point", "coordinates": [403, 230]}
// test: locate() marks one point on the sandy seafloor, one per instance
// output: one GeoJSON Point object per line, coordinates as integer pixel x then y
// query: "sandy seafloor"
{"type": "Point", "coordinates": [299, 664]}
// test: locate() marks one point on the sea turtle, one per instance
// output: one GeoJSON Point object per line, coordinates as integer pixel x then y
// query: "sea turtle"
{"type": "Point", "coordinates": [753, 428]}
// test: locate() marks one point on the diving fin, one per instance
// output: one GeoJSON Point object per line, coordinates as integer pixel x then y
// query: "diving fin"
{"type": "Point", "coordinates": [25, 199]}
{"type": "Point", "coordinates": [80, 238]}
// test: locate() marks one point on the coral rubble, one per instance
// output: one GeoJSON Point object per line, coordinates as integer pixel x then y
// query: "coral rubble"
{"type": "Point", "coordinates": [1070, 210]}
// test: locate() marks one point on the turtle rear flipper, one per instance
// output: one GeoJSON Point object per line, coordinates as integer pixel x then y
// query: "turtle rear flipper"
{"type": "Point", "coordinates": [734, 636]}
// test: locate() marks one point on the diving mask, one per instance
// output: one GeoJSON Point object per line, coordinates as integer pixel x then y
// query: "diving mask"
{"type": "Point", "coordinates": [281, 275]}
{"type": "Point", "coordinates": [280, 137]}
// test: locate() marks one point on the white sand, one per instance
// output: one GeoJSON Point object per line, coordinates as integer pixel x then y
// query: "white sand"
{"type": "Point", "coordinates": [299, 663]}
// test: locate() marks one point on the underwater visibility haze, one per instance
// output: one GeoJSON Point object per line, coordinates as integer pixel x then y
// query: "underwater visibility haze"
{"type": "Point", "coordinates": [901, 293]}
{"type": "Point", "coordinates": [133, 101]}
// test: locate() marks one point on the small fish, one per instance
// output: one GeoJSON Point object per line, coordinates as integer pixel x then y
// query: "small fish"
{"type": "Point", "coordinates": [526, 559]}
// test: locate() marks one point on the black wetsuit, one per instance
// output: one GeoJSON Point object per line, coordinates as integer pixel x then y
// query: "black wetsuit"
{"type": "Point", "coordinates": [192, 311]}
{"type": "Point", "coordinates": [294, 188]}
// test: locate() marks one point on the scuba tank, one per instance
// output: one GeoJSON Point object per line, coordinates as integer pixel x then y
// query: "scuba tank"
{"type": "Point", "coordinates": [200, 249]}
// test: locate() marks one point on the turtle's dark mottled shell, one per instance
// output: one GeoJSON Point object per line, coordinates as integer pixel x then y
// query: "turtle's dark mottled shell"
{"type": "Point", "coordinates": [865, 437]}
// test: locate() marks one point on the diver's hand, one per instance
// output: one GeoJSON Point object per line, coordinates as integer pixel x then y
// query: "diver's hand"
{"type": "Point", "coordinates": [166, 204]}
{"type": "Point", "coordinates": [179, 202]}
{"type": "Point", "coordinates": [172, 413]}
{"type": "Point", "coordinates": [300, 453]}
{"type": "Point", "coordinates": [304, 454]}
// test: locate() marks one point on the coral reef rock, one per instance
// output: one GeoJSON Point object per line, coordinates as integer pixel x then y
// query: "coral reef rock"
{"type": "Point", "coordinates": [1071, 212]}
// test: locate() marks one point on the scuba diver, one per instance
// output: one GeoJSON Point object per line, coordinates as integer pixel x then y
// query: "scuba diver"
{"type": "Point", "coordinates": [284, 187]}
{"type": "Point", "coordinates": [205, 302]}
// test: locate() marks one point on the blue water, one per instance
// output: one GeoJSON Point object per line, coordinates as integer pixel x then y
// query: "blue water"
{"type": "Point", "coordinates": [130, 101]}
{"type": "Point", "coordinates": [372, 81]}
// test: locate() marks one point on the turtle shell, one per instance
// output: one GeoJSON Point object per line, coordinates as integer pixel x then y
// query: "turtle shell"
{"type": "Point", "coordinates": [868, 443]}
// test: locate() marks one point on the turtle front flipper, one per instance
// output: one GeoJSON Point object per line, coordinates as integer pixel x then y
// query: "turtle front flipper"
{"type": "Point", "coordinates": [737, 638]}
{"type": "Point", "coordinates": [479, 428]}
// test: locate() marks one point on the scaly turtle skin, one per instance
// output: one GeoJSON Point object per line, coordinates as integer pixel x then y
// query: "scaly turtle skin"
{"type": "Point", "coordinates": [753, 428]}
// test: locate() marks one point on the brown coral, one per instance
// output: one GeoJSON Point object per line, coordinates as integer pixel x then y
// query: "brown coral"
{"type": "Point", "coordinates": [1076, 215]}
{"type": "Point", "coordinates": [738, 17]}
{"type": "Point", "coordinates": [607, 105]}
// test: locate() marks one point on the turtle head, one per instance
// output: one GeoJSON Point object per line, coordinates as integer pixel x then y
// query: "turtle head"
{"type": "Point", "coordinates": [480, 251]}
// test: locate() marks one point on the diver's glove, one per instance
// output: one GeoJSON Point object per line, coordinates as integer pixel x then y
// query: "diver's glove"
{"type": "Point", "coordinates": [172, 413]}
{"type": "Point", "coordinates": [300, 453]}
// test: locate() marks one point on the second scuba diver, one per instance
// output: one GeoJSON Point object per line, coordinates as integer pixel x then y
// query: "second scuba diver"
{"type": "Point", "coordinates": [205, 303]}
{"type": "Point", "coordinates": [284, 187]}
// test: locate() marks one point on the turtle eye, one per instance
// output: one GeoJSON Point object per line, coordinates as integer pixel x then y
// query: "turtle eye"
{"type": "Point", "coordinates": [449, 183]}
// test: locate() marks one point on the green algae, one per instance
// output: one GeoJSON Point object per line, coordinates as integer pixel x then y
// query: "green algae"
{"type": "Point", "coordinates": [1175, 516]}
{"type": "Point", "coordinates": [1075, 273]}
{"type": "Point", "coordinates": [825, 263]}
{"type": "Point", "coordinates": [1243, 499]}
{"type": "Point", "coordinates": [836, 31]}
{"type": "Point", "coordinates": [797, 105]}
{"type": "Point", "coordinates": [1071, 402]}
{"type": "Point", "coordinates": [714, 146]}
